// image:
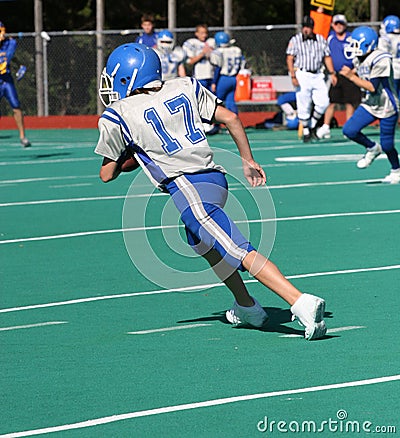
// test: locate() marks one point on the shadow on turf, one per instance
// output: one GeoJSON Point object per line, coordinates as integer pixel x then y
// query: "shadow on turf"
{"type": "Point", "coordinates": [277, 318]}
{"type": "Point", "coordinates": [54, 154]}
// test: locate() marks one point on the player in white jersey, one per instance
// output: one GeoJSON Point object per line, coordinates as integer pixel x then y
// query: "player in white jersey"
{"type": "Point", "coordinates": [373, 72]}
{"type": "Point", "coordinates": [198, 51]}
{"type": "Point", "coordinates": [172, 57]}
{"type": "Point", "coordinates": [229, 59]}
{"type": "Point", "coordinates": [389, 41]}
{"type": "Point", "coordinates": [161, 124]}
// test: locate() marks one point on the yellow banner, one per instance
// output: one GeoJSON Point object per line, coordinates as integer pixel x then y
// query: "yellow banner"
{"type": "Point", "coordinates": [326, 4]}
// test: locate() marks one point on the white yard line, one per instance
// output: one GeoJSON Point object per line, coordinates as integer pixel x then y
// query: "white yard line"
{"type": "Point", "coordinates": [202, 404]}
{"type": "Point", "coordinates": [233, 187]}
{"type": "Point", "coordinates": [162, 227]}
{"type": "Point", "coordinates": [168, 329]}
{"type": "Point", "coordinates": [28, 326]}
{"type": "Point", "coordinates": [196, 288]}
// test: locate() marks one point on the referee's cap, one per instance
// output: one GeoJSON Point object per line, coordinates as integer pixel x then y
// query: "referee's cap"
{"type": "Point", "coordinates": [339, 18]}
{"type": "Point", "coordinates": [308, 21]}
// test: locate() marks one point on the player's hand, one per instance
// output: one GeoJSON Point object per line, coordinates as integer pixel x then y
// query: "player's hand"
{"type": "Point", "coordinates": [295, 82]}
{"type": "Point", "coordinates": [254, 173]}
{"type": "Point", "coordinates": [347, 72]}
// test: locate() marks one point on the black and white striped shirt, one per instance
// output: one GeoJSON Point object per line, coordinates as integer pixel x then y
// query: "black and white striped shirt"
{"type": "Point", "coordinates": [309, 53]}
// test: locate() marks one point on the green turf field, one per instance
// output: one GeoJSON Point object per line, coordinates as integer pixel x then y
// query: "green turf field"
{"type": "Point", "coordinates": [94, 344]}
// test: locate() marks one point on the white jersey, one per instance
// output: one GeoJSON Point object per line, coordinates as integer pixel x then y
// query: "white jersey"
{"type": "Point", "coordinates": [170, 61]}
{"type": "Point", "coordinates": [164, 129]}
{"type": "Point", "coordinates": [230, 59]}
{"type": "Point", "coordinates": [384, 101]}
{"type": "Point", "coordinates": [193, 47]}
{"type": "Point", "coordinates": [390, 42]}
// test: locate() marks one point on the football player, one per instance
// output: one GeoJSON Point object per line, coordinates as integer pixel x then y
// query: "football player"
{"type": "Point", "coordinates": [229, 60]}
{"type": "Point", "coordinates": [172, 57]}
{"type": "Point", "coordinates": [8, 46]}
{"type": "Point", "coordinates": [161, 123]}
{"type": "Point", "coordinates": [389, 41]}
{"type": "Point", "coordinates": [373, 72]}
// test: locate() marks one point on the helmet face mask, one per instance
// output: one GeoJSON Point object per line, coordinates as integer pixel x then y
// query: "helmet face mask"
{"type": "Point", "coordinates": [129, 67]}
{"type": "Point", "coordinates": [363, 40]}
{"type": "Point", "coordinates": [165, 41]}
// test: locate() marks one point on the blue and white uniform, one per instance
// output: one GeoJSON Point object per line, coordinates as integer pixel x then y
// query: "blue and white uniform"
{"type": "Point", "coordinates": [170, 61]}
{"type": "Point", "coordinates": [229, 61]}
{"type": "Point", "coordinates": [7, 87]}
{"type": "Point", "coordinates": [390, 42]}
{"type": "Point", "coordinates": [180, 164]}
{"type": "Point", "coordinates": [382, 104]}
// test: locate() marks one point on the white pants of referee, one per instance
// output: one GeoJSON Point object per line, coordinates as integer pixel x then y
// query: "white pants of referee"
{"type": "Point", "coordinates": [313, 91]}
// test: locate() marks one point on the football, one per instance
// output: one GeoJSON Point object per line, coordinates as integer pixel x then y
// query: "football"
{"type": "Point", "coordinates": [129, 164]}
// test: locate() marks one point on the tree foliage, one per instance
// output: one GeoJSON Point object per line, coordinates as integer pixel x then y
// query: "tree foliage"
{"type": "Point", "coordinates": [18, 15]}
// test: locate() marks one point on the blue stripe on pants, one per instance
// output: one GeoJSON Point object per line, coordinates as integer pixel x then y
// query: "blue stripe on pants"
{"type": "Point", "coordinates": [200, 199]}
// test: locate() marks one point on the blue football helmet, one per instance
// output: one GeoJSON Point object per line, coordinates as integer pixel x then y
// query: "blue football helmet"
{"type": "Point", "coordinates": [362, 41]}
{"type": "Point", "coordinates": [391, 24]}
{"type": "Point", "coordinates": [165, 41]}
{"type": "Point", "coordinates": [129, 67]}
{"type": "Point", "coordinates": [292, 123]}
{"type": "Point", "coordinates": [222, 39]}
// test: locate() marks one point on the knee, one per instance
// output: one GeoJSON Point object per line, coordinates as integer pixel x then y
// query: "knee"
{"type": "Point", "coordinates": [349, 131]}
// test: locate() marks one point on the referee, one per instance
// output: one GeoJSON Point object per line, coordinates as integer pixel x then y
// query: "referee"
{"type": "Point", "coordinates": [305, 55]}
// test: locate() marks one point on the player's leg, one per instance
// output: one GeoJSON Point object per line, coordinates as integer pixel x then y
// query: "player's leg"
{"type": "Point", "coordinates": [212, 234]}
{"type": "Point", "coordinates": [308, 309]}
{"type": "Point", "coordinates": [11, 95]}
{"type": "Point", "coordinates": [230, 103]}
{"type": "Point", "coordinates": [387, 133]}
{"type": "Point", "coordinates": [352, 129]}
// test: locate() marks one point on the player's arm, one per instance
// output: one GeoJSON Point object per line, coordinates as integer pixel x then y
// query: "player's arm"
{"type": "Point", "coordinates": [351, 74]}
{"type": "Point", "coordinates": [252, 170]}
{"type": "Point", "coordinates": [109, 170]}
{"type": "Point", "coordinates": [181, 71]}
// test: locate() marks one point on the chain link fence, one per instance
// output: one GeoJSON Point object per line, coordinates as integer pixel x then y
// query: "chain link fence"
{"type": "Point", "coordinates": [70, 59]}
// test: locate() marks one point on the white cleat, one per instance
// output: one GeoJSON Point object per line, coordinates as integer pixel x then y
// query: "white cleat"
{"type": "Point", "coordinates": [254, 315]}
{"type": "Point", "coordinates": [393, 177]}
{"type": "Point", "coordinates": [309, 311]}
{"type": "Point", "coordinates": [370, 156]}
{"type": "Point", "coordinates": [324, 132]}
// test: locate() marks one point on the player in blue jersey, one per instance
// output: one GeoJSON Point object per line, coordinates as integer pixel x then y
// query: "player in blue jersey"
{"type": "Point", "coordinates": [161, 123]}
{"type": "Point", "coordinates": [373, 72]}
{"type": "Point", "coordinates": [148, 37]}
{"type": "Point", "coordinates": [7, 87]}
